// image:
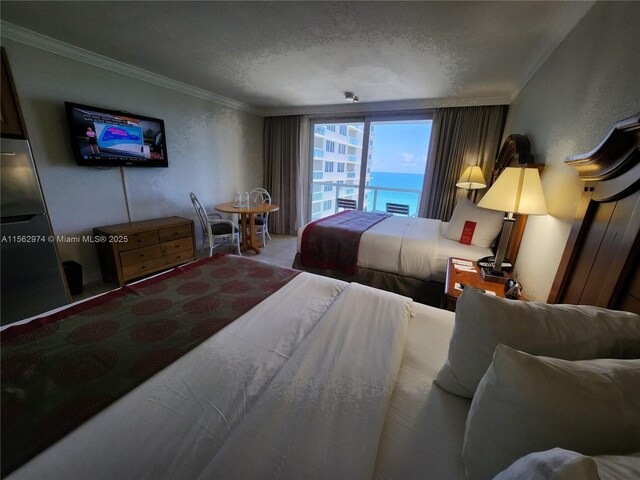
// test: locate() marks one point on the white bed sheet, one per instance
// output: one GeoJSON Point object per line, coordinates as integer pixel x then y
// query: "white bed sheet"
{"type": "Point", "coordinates": [323, 414]}
{"type": "Point", "coordinates": [411, 247]}
{"type": "Point", "coordinates": [424, 430]}
{"type": "Point", "coordinates": [173, 425]}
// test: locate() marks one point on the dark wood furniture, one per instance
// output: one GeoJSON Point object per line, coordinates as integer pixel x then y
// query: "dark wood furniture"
{"type": "Point", "coordinates": [346, 203]}
{"type": "Point", "coordinates": [462, 277]}
{"type": "Point", "coordinates": [397, 208]}
{"type": "Point", "coordinates": [600, 262]}
{"type": "Point", "coordinates": [129, 251]}
{"type": "Point", "coordinates": [11, 124]}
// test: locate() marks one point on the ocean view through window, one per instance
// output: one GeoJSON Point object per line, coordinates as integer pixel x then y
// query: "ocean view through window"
{"type": "Point", "coordinates": [379, 162]}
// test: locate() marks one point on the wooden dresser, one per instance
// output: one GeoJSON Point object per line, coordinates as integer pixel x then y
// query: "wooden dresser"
{"type": "Point", "coordinates": [129, 251]}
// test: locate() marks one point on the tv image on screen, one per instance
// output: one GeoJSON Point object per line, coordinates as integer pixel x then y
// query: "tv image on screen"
{"type": "Point", "coordinates": [101, 137]}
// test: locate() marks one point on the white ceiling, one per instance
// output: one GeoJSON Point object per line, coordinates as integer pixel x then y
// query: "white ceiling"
{"type": "Point", "coordinates": [287, 57]}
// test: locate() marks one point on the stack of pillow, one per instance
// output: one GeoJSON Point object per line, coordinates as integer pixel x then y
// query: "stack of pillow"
{"type": "Point", "coordinates": [552, 385]}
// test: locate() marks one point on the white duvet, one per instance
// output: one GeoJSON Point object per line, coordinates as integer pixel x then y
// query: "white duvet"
{"type": "Point", "coordinates": [411, 247]}
{"type": "Point", "coordinates": [298, 387]}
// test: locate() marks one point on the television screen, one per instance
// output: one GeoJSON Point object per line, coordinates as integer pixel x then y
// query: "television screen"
{"type": "Point", "coordinates": [101, 137]}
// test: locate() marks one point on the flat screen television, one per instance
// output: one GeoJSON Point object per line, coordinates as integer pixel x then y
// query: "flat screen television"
{"type": "Point", "coordinates": [102, 137]}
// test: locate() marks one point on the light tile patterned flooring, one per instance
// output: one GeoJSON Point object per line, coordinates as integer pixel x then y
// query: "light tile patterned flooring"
{"type": "Point", "coordinates": [280, 250]}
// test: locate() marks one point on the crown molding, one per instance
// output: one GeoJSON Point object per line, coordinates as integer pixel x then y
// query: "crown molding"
{"type": "Point", "coordinates": [388, 106]}
{"type": "Point", "coordinates": [557, 31]}
{"type": "Point", "coordinates": [43, 42]}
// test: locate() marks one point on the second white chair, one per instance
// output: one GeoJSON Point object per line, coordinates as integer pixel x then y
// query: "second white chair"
{"type": "Point", "coordinates": [259, 196]}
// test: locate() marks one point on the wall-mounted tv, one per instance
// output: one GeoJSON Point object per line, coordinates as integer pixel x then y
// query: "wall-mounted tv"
{"type": "Point", "coordinates": [102, 137]}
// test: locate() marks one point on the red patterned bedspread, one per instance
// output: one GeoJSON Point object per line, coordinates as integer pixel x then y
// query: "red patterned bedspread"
{"type": "Point", "coordinates": [333, 242]}
{"type": "Point", "coordinates": [58, 371]}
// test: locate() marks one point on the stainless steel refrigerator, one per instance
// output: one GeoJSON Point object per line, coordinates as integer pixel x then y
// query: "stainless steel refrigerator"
{"type": "Point", "coordinates": [31, 279]}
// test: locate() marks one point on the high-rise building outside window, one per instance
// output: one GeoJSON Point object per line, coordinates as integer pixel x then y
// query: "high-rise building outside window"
{"type": "Point", "coordinates": [377, 162]}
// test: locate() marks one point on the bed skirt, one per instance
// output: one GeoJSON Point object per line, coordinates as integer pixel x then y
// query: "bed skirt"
{"type": "Point", "coordinates": [422, 291]}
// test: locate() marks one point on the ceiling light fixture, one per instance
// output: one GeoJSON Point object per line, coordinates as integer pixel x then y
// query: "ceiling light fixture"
{"type": "Point", "coordinates": [349, 97]}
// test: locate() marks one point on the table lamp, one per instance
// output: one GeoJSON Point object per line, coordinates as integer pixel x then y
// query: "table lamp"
{"type": "Point", "coordinates": [472, 179]}
{"type": "Point", "coordinates": [517, 190]}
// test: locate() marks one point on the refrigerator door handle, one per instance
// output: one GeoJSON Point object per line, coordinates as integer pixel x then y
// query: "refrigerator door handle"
{"type": "Point", "coordinates": [16, 219]}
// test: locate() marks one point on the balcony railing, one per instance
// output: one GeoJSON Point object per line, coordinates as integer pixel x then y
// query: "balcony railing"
{"type": "Point", "coordinates": [353, 141]}
{"type": "Point", "coordinates": [382, 195]}
{"type": "Point", "coordinates": [318, 153]}
{"type": "Point", "coordinates": [375, 198]}
{"type": "Point", "coordinates": [320, 130]}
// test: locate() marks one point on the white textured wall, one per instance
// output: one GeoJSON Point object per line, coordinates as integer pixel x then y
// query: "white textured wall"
{"type": "Point", "coordinates": [213, 150]}
{"type": "Point", "coordinates": [589, 82]}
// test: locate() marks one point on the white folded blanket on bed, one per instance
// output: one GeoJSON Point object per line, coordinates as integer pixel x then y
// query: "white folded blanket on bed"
{"type": "Point", "coordinates": [403, 245]}
{"type": "Point", "coordinates": [323, 414]}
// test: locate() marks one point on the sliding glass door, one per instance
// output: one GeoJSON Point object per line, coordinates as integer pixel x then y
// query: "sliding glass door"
{"type": "Point", "coordinates": [337, 160]}
{"type": "Point", "coordinates": [370, 161]}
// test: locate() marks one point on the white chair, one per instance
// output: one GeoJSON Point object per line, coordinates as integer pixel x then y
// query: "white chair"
{"type": "Point", "coordinates": [216, 231]}
{"type": "Point", "coordinates": [260, 195]}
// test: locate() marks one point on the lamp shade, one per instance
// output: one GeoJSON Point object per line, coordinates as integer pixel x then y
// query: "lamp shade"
{"type": "Point", "coordinates": [517, 190]}
{"type": "Point", "coordinates": [472, 179]}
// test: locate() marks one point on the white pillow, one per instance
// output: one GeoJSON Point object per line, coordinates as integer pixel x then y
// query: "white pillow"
{"type": "Point", "coordinates": [488, 223]}
{"type": "Point", "coordinates": [554, 464]}
{"type": "Point", "coordinates": [561, 464]}
{"type": "Point", "coordinates": [615, 467]}
{"type": "Point", "coordinates": [526, 404]}
{"type": "Point", "coordinates": [572, 332]}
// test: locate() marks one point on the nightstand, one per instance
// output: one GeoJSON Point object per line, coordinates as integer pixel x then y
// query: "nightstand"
{"type": "Point", "coordinates": [463, 277]}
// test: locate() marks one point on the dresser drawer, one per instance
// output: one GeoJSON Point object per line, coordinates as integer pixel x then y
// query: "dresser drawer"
{"type": "Point", "coordinates": [138, 255]}
{"type": "Point", "coordinates": [176, 246]}
{"type": "Point", "coordinates": [153, 265]}
{"type": "Point", "coordinates": [137, 240]}
{"type": "Point", "coordinates": [142, 268]}
{"type": "Point", "coordinates": [178, 257]}
{"type": "Point", "coordinates": [173, 233]}
{"type": "Point", "coordinates": [152, 245]}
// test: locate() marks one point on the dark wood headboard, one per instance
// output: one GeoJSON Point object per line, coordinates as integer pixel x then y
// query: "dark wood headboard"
{"type": "Point", "coordinates": [600, 262]}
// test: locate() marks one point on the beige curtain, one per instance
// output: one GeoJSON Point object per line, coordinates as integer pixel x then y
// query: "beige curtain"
{"type": "Point", "coordinates": [285, 157]}
{"type": "Point", "coordinates": [460, 137]}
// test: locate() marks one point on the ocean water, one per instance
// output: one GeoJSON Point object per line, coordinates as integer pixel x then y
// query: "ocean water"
{"type": "Point", "coordinates": [395, 180]}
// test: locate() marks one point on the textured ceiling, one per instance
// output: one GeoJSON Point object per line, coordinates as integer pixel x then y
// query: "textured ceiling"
{"type": "Point", "coordinates": [301, 54]}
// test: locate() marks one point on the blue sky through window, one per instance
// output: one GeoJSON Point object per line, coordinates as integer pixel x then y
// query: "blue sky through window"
{"type": "Point", "coordinates": [400, 147]}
